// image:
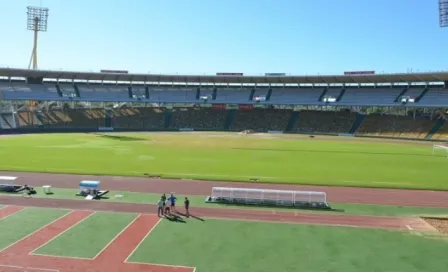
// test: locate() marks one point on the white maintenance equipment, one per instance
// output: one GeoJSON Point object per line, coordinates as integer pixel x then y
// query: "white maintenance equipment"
{"type": "Point", "coordinates": [8, 180]}
{"type": "Point", "coordinates": [90, 189]}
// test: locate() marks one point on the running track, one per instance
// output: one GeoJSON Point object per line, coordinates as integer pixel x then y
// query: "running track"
{"type": "Point", "coordinates": [382, 222]}
{"type": "Point", "coordinates": [189, 187]}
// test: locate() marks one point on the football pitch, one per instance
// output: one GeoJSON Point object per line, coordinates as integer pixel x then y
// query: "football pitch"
{"type": "Point", "coordinates": [338, 161]}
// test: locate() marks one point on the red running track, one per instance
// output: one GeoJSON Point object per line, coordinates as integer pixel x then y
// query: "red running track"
{"type": "Point", "coordinates": [382, 222]}
{"type": "Point", "coordinates": [188, 187]}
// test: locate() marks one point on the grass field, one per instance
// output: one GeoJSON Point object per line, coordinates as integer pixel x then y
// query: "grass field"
{"type": "Point", "coordinates": [229, 157]}
{"type": "Point", "coordinates": [198, 201]}
{"type": "Point", "coordinates": [218, 246]}
{"type": "Point", "coordinates": [19, 225]}
{"type": "Point", "coordinates": [101, 227]}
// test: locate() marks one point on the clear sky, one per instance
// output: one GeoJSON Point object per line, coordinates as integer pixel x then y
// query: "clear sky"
{"type": "Point", "coordinates": [209, 36]}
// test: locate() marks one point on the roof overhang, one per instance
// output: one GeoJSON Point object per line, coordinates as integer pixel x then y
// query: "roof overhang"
{"type": "Point", "coordinates": [307, 79]}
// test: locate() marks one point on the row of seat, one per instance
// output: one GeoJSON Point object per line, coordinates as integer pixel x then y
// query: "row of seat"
{"type": "Point", "coordinates": [340, 122]}
{"type": "Point", "coordinates": [434, 97]}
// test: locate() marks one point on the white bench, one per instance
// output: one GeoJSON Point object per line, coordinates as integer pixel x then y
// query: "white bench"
{"type": "Point", "coordinates": [47, 189]}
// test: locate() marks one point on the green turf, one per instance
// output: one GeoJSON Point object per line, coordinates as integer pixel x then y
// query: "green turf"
{"type": "Point", "coordinates": [198, 201]}
{"type": "Point", "coordinates": [77, 242]}
{"type": "Point", "coordinates": [230, 157]}
{"type": "Point", "coordinates": [19, 225]}
{"type": "Point", "coordinates": [221, 246]}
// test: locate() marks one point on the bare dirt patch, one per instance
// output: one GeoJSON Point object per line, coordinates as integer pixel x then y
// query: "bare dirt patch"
{"type": "Point", "coordinates": [440, 224]}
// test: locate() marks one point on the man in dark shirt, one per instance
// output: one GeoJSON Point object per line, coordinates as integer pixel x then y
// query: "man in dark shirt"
{"type": "Point", "coordinates": [164, 200]}
{"type": "Point", "coordinates": [187, 206]}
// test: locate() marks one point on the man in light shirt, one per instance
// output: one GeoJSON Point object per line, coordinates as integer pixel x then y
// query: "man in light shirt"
{"type": "Point", "coordinates": [160, 205]}
{"type": "Point", "coordinates": [167, 208]}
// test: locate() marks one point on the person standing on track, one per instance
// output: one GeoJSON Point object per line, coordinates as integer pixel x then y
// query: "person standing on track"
{"type": "Point", "coordinates": [187, 207]}
{"type": "Point", "coordinates": [160, 206]}
{"type": "Point", "coordinates": [172, 200]}
{"type": "Point", "coordinates": [167, 209]}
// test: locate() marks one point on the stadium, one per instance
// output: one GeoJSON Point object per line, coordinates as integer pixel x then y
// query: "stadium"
{"type": "Point", "coordinates": [281, 172]}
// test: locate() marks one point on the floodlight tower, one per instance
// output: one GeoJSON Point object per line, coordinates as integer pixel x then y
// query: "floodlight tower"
{"type": "Point", "coordinates": [37, 22]}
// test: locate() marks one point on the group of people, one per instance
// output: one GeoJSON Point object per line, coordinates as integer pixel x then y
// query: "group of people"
{"type": "Point", "coordinates": [168, 205]}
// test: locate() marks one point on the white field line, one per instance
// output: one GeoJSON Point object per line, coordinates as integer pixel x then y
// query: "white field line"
{"type": "Point", "coordinates": [23, 208]}
{"type": "Point", "coordinates": [144, 238]}
{"type": "Point", "coordinates": [164, 265]}
{"type": "Point", "coordinates": [116, 236]}
{"type": "Point", "coordinates": [69, 228]}
{"type": "Point", "coordinates": [90, 210]}
{"type": "Point", "coordinates": [41, 269]}
{"type": "Point", "coordinates": [409, 227]}
{"type": "Point", "coordinates": [61, 257]}
{"type": "Point", "coordinates": [32, 268]}
{"type": "Point", "coordinates": [36, 231]}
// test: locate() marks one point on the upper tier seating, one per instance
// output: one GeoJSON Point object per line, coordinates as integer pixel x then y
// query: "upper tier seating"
{"type": "Point", "coordinates": [238, 95]}
{"type": "Point", "coordinates": [370, 96]}
{"type": "Point", "coordinates": [435, 97]}
{"type": "Point", "coordinates": [22, 91]}
{"type": "Point", "coordinates": [103, 93]}
{"type": "Point", "coordinates": [304, 96]}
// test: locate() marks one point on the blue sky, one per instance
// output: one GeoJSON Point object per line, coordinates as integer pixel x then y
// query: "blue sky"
{"type": "Point", "coordinates": [250, 36]}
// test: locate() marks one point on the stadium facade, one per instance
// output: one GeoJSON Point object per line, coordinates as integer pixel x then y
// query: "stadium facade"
{"type": "Point", "coordinates": [411, 105]}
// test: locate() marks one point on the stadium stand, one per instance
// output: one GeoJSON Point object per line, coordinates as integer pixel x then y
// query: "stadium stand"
{"type": "Point", "coordinates": [172, 95]}
{"type": "Point", "coordinates": [139, 118]}
{"type": "Point", "coordinates": [395, 126]}
{"type": "Point", "coordinates": [7, 121]}
{"type": "Point", "coordinates": [442, 132]}
{"type": "Point", "coordinates": [304, 96]}
{"type": "Point", "coordinates": [240, 95]}
{"type": "Point", "coordinates": [198, 118]}
{"type": "Point", "coordinates": [334, 122]}
{"type": "Point", "coordinates": [103, 93]}
{"type": "Point", "coordinates": [302, 104]}
{"type": "Point", "coordinates": [261, 120]}
{"type": "Point", "coordinates": [370, 96]}
{"type": "Point", "coordinates": [22, 91]}
{"type": "Point", "coordinates": [435, 97]}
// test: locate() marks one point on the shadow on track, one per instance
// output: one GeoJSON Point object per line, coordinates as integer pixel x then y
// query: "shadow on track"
{"type": "Point", "coordinates": [280, 208]}
{"type": "Point", "coordinates": [191, 216]}
{"type": "Point", "coordinates": [175, 218]}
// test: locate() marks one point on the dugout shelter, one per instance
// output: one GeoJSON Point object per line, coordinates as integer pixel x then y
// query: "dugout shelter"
{"type": "Point", "coordinates": [268, 197]}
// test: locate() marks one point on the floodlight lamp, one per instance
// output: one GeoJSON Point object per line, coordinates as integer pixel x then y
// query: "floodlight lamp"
{"type": "Point", "coordinates": [37, 18]}
{"type": "Point", "coordinates": [443, 13]}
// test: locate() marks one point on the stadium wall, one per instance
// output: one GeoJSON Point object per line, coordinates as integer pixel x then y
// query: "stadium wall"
{"type": "Point", "coordinates": [18, 131]}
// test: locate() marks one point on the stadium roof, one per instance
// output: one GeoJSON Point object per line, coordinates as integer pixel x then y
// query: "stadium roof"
{"type": "Point", "coordinates": [317, 79]}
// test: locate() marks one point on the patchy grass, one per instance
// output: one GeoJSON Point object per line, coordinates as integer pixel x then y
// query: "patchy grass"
{"type": "Point", "coordinates": [224, 245]}
{"type": "Point", "coordinates": [239, 158]}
